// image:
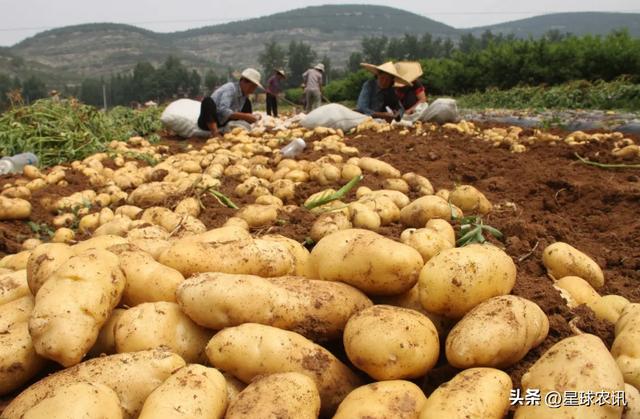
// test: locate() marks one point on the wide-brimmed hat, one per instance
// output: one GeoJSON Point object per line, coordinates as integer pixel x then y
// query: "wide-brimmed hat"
{"type": "Point", "coordinates": [388, 68]}
{"type": "Point", "coordinates": [408, 70]}
{"type": "Point", "coordinates": [281, 72]}
{"type": "Point", "coordinates": [320, 67]}
{"type": "Point", "coordinates": [252, 75]}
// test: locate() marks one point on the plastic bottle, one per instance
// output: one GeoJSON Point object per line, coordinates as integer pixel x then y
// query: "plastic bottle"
{"type": "Point", "coordinates": [293, 148]}
{"type": "Point", "coordinates": [15, 163]}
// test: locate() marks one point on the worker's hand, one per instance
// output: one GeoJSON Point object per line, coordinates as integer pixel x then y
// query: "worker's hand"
{"type": "Point", "coordinates": [409, 111]}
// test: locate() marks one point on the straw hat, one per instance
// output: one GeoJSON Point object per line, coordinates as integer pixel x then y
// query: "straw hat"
{"type": "Point", "coordinates": [320, 67]}
{"type": "Point", "coordinates": [388, 68]}
{"type": "Point", "coordinates": [281, 72]}
{"type": "Point", "coordinates": [252, 75]}
{"type": "Point", "coordinates": [409, 70]}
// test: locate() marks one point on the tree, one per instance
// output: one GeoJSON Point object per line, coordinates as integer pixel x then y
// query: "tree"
{"type": "Point", "coordinates": [273, 57]}
{"type": "Point", "coordinates": [468, 43]}
{"type": "Point", "coordinates": [301, 57]}
{"type": "Point", "coordinates": [144, 84]}
{"type": "Point", "coordinates": [33, 89]}
{"type": "Point", "coordinates": [5, 86]}
{"type": "Point", "coordinates": [212, 81]}
{"type": "Point", "coordinates": [194, 83]}
{"type": "Point", "coordinates": [374, 49]}
{"type": "Point", "coordinates": [327, 68]}
{"type": "Point", "coordinates": [172, 78]}
{"type": "Point", "coordinates": [91, 91]}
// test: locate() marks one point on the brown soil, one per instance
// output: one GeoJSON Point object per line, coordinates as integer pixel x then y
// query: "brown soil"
{"type": "Point", "coordinates": [540, 196]}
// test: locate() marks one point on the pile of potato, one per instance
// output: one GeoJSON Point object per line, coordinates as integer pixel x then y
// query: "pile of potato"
{"type": "Point", "coordinates": [156, 316]}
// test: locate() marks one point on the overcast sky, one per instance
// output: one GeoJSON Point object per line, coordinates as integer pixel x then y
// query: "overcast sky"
{"type": "Point", "coordinates": [20, 19]}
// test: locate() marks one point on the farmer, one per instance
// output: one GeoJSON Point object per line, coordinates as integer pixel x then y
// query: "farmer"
{"type": "Point", "coordinates": [230, 102]}
{"type": "Point", "coordinates": [274, 87]}
{"type": "Point", "coordinates": [312, 82]}
{"type": "Point", "coordinates": [378, 97]}
{"type": "Point", "coordinates": [413, 94]}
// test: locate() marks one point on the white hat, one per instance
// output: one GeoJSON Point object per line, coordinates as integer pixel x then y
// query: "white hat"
{"type": "Point", "coordinates": [388, 68]}
{"type": "Point", "coordinates": [320, 67]}
{"type": "Point", "coordinates": [252, 75]}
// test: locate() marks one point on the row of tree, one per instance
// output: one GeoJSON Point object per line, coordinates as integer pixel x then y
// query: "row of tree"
{"type": "Point", "coordinates": [31, 88]}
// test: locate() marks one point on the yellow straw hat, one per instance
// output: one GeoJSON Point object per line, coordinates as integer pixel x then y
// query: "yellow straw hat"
{"type": "Point", "coordinates": [409, 71]}
{"type": "Point", "coordinates": [388, 68]}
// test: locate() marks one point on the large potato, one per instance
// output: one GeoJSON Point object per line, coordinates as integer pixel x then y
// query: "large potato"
{"type": "Point", "coordinates": [132, 376]}
{"type": "Point", "coordinates": [73, 304]}
{"type": "Point", "coordinates": [632, 396]}
{"type": "Point", "coordinates": [316, 309]}
{"type": "Point", "coordinates": [18, 359]}
{"type": "Point", "coordinates": [626, 346]}
{"type": "Point", "coordinates": [301, 256]}
{"type": "Point", "coordinates": [386, 399]}
{"type": "Point", "coordinates": [473, 393]}
{"type": "Point", "coordinates": [608, 307]}
{"type": "Point", "coordinates": [425, 208]}
{"type": "Point", "coordinates": [250, 350]}
{"type": "Point", "coordinates": [469, 199]}
{"type": "Point", "coordinates": [106, 342]}
{"type": "Point", "coordinates": [284, 395]}
{"type": "Point", "coordinates": [427, 241]}
{"type": "Point", "coordinates": [44, 261]}
{"type": "Point", "coordinates": [368, 261]}
{"type": "Point", "coordinates": [497, 333]}
{"type": "Point", "coordinates": [456, 280]}
{"type": "Point", "coordinates": [192, 392]}
{"type": "Point", "coordinates": [13, 285]}
{"type": "Point", "coordinates": [579, 363]}
{"type": "Point", "coordinates": [562, 259]}
{"type": "Point", "coordinates": [576, 291]}
{"type": "Point", "coordinates": [390, 343]}
{"type": "Point", "coordinates": [78, 400]}
{"type": "Point", "coordinates": [151, 325]}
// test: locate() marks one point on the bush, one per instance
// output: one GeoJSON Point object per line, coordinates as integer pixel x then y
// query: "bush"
{"type": "Point", "coordinates": [294, 95]}
{"type": "Point", "coordinates": [347, 88]}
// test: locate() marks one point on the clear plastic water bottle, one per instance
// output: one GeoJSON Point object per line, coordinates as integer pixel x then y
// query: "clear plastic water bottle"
{"type": "Point", "coordinates": [15, 163]}
{"type": "Point", "coordinates": [293, 148]}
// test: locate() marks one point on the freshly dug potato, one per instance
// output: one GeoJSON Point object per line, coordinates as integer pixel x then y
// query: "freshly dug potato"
{"type": "Point", "coordinates": [192, 392]}
{"type": "Point", "coordinates": [106, 342]}
{"type": "Point", "coordinates": [632, 396]}
{"type": "Point", "coordinates": [157, 193]}
{"type": "Point", "coordinates": [470, 200]}
{"type": "Point", "coordinates": [18, 359]}
{"type": "Point", "coordinates": [63, 235]}
{"type": "Point", "coordinates": [315, 309]}
{"type": "Point", "coordinates": [399, 185]}
{"type": "Point", "coordinates": [328, 223]}
{"type": "Point", "coordinates": [427, 241]}
{"type": "Point", "coordinates": [132, 376]}
{"type": "Point", "coordinates": [609, 307]}
{"type": "Point", "coordinates": [78, 400]}
{"type": "Point", "coordinates": [378, 167]}
{"type": "Point", "coordinates": [418, 183]}
{"type": "Point", "coordinates": [100, 242]}
{"type": "Point", "coordinates": [444, 228]}
{"type": "Point", "coordinates": [251, 350]}
{"type": "Point", "coordinates": [301, 256]}
{"type": "Point", "coordinates": [16, 262]}
{"type": "Point", "coordinates": [366, 260]}
{"type": "Point", "coordinates": [391, 343]}
{"type": "Point", "coordinates": [118, 226]}
{"type": "Point", "coordinates": [496, 333]}
{"type": "Point", "coordinates": [562, 259]}
{"type": "Point", "coordinates": [13, 285]}
{"type": "Point", "coordinates": [579, 363]}
{"type": "Point", "coordinates": [234, 386]}
{"type": "Point", "coordinates": [425, 208]}
{"type": "Point", "coordinates": [386, 399]}
{"type": "Point", "coordinates": [626, 346]}
{"type": "Point", "coordinates": [151, 325]}
{"type": "Point", "coordinates": [73, 304]}
{"type": "Point", "coordinates": [364, 217]}
{"type": "Point", "coordinates": [473, 393]}
{"type": "Point", "coordinates": [576, 291]}
{"type": "Point", "coordinates": [401, 200]}
{"type": "Point", "coordinates": [456, 280]}
{"type": "Point", "coordinates": [189, 206]}
{"type": "Point", "coordinates": [258, 215]}
{"type": "Point", "coordinates": [44, 261]}
{"type": "Point", "coordinates": [14, 208]}
{"type": "Point", "coordinates": [284, 395]}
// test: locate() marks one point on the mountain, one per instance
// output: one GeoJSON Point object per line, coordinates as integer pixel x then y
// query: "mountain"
{"type": "Point", "coordinates": [579, 23]}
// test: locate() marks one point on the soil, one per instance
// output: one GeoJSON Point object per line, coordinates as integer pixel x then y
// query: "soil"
{"type": "Point", "coordinates": [540, 196]}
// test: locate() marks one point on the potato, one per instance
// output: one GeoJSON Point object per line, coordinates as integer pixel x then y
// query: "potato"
{"type": "Point", "coordinates": [301, 256]}
{"type": "Point", "coordinates": [609, 307]}
{"type": "Point", "coordinates": [391, 343]}
{"type": "Point", "coordinates": [316, 309]}
{"type": "Point", "coordinates": [269, 200]}
{"type": "Point", "coordinates": [234, 386]}
{"type": "Point", "coordinates": [284, 395]}
{"type": "Point", "coordinates": [444, 228]}
{"type": "Point", "coordinates": [162, 217]}
{"type": "Point", "coordinates": [378, 167]}
{"type": "Point", "coordinates": [106, 342]}
{"type": "Point", "coordinates": [156, 193]}
{"type": "Point", "coordinates": [401, 200]}
{"type": "Point", "coordinates": [78, 400]}
{"type": "Point", "coordinates": [100, 242]}
{"type": "Point", "coordinates": [63, 235]}
{"type": "Point", "coordinates": [73, 304]}
{"type": "Point", "coordinates": [470, 200]}
{"type": "Point", "coordinates": [14, 208]}
{"type": "Point", "coordinates": [118, 226]}
{"type": "Point", "coordinates": [193, 392]}
{"type": "Point", "coordinates": [349, 171]}
{"type": "Point", "coordinates": [473, 393]}
{"type": "Point", "coordinates": [89, 222]}
{"type": "Point", "coordinates": [626, 347]}
{"type": "Point", "coordinates": [364, 217]}
{"type": "Point", "coordinates": [418, 183]}
{"type": "Point", "coordinates": [427, 241]}
{"type": "Point", "coordinates": [18, 359]}
{"type": "Point", "coordinates": [632, 396]}
{"type": "Point", "coordinates": [579, 363]}
{"type": "Point", "coordinates": [16, 262]}
{"type": "Point", "coordinates": [251, 349]}
{"type": "Point", "coordinates": [456, 280]}
{"type": "Point", "coordinates": [384, 207]}
{"type": "Point", "coordinates": [328, 223]}
{"type": "Point", "coordinates": [44, 261]}
{"type": "Point", "coordinates": [366, 260]}
{"type": "Point", "coordinates": [423, 209]}
{"type": "Point", "coordinates": [576, 291]}
{"type": "Point", "coordinates": [132, 376]}
{"type": "Point", "coordinates": [385, 399]}
{"type": "Point", "coordinates": [13, 285]}
{"type": "Point", "coordinates": [496, 333]}
{"type": "Point", "coordinates": [562, 260]}
{"type": "Point", "coordinates": [397, 185]}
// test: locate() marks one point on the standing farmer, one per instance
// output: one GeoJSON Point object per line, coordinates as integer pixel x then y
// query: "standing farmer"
{"type": "Point", "coordinates": [274, 87]}
{"type": "Point", "coordinates": [313, 87]}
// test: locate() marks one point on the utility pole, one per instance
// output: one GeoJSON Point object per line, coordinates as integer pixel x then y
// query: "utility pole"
{"type": "Point", "coordinates": [104, 96]}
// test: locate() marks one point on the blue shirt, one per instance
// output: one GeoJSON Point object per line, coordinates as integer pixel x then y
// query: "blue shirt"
{"type": "Point", "coordinates": [373, 99]}
{"type": "Point", "coordinates": [228, 99]}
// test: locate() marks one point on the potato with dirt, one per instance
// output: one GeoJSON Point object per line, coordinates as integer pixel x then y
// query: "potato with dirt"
{"type": "Point", "coordinates": [562, 259]}
{"type": "Point", "coordinates": [626, 346]}
{"type": "Point", "coordinates": [581, 364]}
{"type": "Point", "coordinates": [106, 342]}
{"type": "Point", "coordinates": [328, 223]}
{"type": "Point", "coordinates": [428, 241]}
{"type": "Point", "coordinates": [252, 350]}
{"type": "Point", "coordinates": [13, 285]}
{"type": "Point", "coordinates": [470, 200]}
{"type": "Point", "coordinates": [44, 261]}
{"type": "Point", "coordinates": [284, 395]}
{"type": "Point", "coordinates": [14, 208]}
{"type": "Point", "coordinates": [456, 280]}
{"type": "Point", "coordinates": [368, 261]}
{"type": "Point", "coordinates": [316, 309]}
{"type": "Point", "coordinates": [192, 392]}
{"type": "Point", "coordinates": [385, 399]}
{"type": "Point", "coordinates": [426, 208]}
{"type": "Point", "coordinates": [497, 333]}
{"type": "Point", "coordinates": [391, 343]}
{"type": "Point", "coordinates": [608, 307]}
{"type": "Point", "coordinates": [576, 291]}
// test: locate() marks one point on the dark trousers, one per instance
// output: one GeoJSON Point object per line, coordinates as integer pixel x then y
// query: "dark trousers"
{"type": "Point", "coordinates": [209, 112]}
{"type": "Point", "coordinates": [272, 105]}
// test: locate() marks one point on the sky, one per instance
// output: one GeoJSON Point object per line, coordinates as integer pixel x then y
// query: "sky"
{"type": "Point", "coordinates": [20, 19]}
